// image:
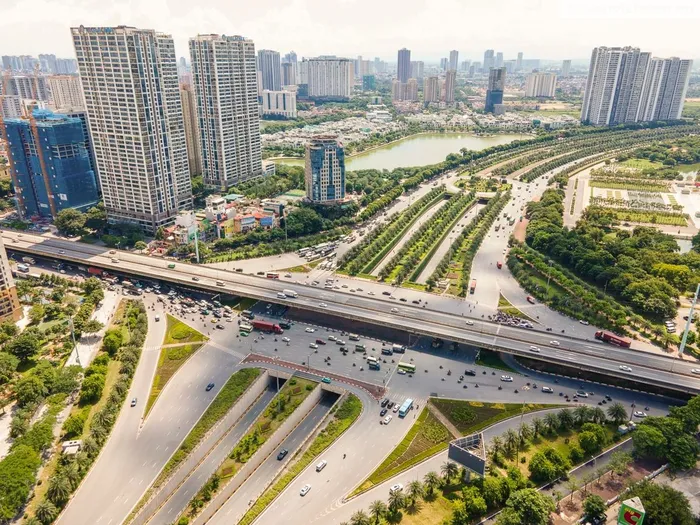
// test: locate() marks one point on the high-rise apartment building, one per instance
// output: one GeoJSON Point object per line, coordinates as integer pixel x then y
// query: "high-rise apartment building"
{"type": "Point", "coordinates": [289, 74]}
{"type": "Point", "coordinates": [65, 92]}
{"type": "Point", "coordinates": [81, 115]}
{"type": "Point", "coordinates": [269, 66]}
{"type": "Point", "coordinates": [325, 170]}
{"type": "Point", "coordinates": [29, 87]}
{"type": "Point", "coordinates": [132, 98]}
{"type": "Point", "coordinates": [464, 66]}
{"type": "Point", "coordinates": [50, 166]}
{"type": "Point", "coordinates": [369, 83]}
{"type": "Point", "coordinates": [627, 85]}
{"type": "Point", "coordinates": [541, 85]}
{"type": "Point", "coordinates": [191, 122]}
{"type": "Point", "coordinates": [404, 92]}
{"type": "Point", "coordinates": [494, 92]}
{"type": "Point", "coordinates": [280, 103]}
{"type": "Point", "coordinates": [379, 65]}
{"type": "Point", "coordinates": [444, 62]}
{"type": "Point", "coordinates": [565, 68]}
{"type": "Point", "coordinates": [431, 90]}
{"type": "Point", "coordinates": [403, 68]}
{"type": "Point", "coordinates": [519, 61]}
{"type": "Point", "coordinates": [10, 106]}
{"type": "Point", "coordinates": [454, 59]}
{"type": "Point", "coordinates": [47, 63]}
{"type": "Point", "coordinates": [489, 60]}
{"type": "Point", "coordinates": [10, 309]}
{"type": "Point", "coordinates": [450, 81]}
{"type": "Point", "coordinates": [417, 67]}
{"type": "Point", "coordinates": [499, 59]}
{"type": "Point", "coordinates": [225, 82]}
{"type": "Point", "coordinates": [330, 77]}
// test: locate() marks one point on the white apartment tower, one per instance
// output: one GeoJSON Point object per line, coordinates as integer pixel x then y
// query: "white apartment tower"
{"type": "Point", "coordinates": [330, 77]}
{"type": "Point", "coordinates": [541, 85]}
{"type": "Point", "coordinates": [65, 92]}
{"type": "Point", "coordinates": [225, 82]}
{"type": "Point", "coordinates": [454, 59]}
{"type": "Point", "coordinates": [132, 98]}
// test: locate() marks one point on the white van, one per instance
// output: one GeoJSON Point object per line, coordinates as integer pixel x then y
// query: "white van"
{"type": "Point", "coordinates": [281, 295]}
{"type": "Point", "coordinates": [321, 465]}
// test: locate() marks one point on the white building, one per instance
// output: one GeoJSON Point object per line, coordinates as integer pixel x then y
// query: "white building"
{"type": "Point", "coordinates": [65, 91]}
{"type": "Point", "coordinates": [565, 68]}
{"type": "Point", "coordinates": [329, 77]}
{"type": "Point", "coordinates": [130, 83]}
{"type": "Point", "coordinates": [225, 81]}
{"type": "Point", "coordinates": [417, 67]}
{"type": "Point", "coordinates": [282, 103]}
{"type": "Point", "coordinates": [541, 85]}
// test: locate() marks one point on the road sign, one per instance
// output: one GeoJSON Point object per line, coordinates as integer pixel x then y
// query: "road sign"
{"type": "Point", "coordinates": [631, 512]}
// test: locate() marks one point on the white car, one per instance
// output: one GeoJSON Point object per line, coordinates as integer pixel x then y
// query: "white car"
{"type": "Point", "coordinates": [352, 290]}
{"type": "Point", "coordinates": [535, 349]}
{"type": "Point", "coordinates": [305, 490]}
{"type": "Point", "coordinates": [286, 339]}
{"type": "Point", "coordinates": [332, 338]}
{"type": "Point", "coordinates": [639, 414]}
{"type": "Point", "coordinates": [396, 408]}
{"type": "Point", "coordinates": [401, 372]}
{"type": "Point", "coordinates": [310, 330]}
{"type": "Point", "coordinates": [584, 322]}
{"type": "Point", "coordinates": [394, 310]}
{"type": "Point", "coordinates": [554, 343]}
{"type": "Point", "coordinates": [547, 390]}
{"type": "Point", "coordinates": [625, 368]}
{"type": "Point", "coordinates": [388, 419]}
{"type": "Point", "coordinates": [396, 488]}
{"type": "Point", "coordinates": [313, 345]}
{"type": "Point", "coordinates": [469, 322]}
{"type": "Point", "coordinates": [370, 292]}
{"type": "Point", "coordinates": [323, 305]}
{"type": "Point", "coordinates": [695, 370]}
{"type": "Point", "coordinates": [507, 379]}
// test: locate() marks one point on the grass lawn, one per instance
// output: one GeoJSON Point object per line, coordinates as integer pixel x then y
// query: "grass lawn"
{"type": "Point", "coordinates": [178, 332]}
{"type": "Point", "coordinates": [492, 360]}
{"type": "Point", "coordinates": [171, 359]}
{"type": "Point", "coordinates": [240, 303]}
{"type": "Point", "coordinates": [641, 164]}
{"type": "Point", "coordinates": [426, 437]}
{"type": "Point", "coordinates": [629, 184]}
{"type": "Point", "coordinates": [437, 511]}
{"type": "Point", "coordinates": [687, 168]}
{"type": "Point", "coordinates": [649, 217]}
{"type": "Point", "coordinates": [413, 286]}
{"type": "Point", "coordinates": [505, 306]}
{"type": "Point", "coordinates": [297, 269]}
{"type": "Point", "coordinates": [474, 416]}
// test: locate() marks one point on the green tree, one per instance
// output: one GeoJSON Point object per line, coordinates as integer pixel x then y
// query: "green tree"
{"type": "Point", "coordinates": [397, 500]}
{"type": "Point", "coordinates": [359, 518]}
{"type": "Point", "coordinates": [432, 481]}
{"type": "Point", "coordinates": [46, 512]}
{"type": "Point", "coordinates": [96, 218]}
{"type": "Point", "coordinates": [449, 470]}
{"type": "Point", "coordinates": [17, 475]}
{"type": "Point", "coordinates": [682, 453]}
{"type": "Point", "coordinates": [649, 442]}
{"type": "Point", "coordinates": [112, 341]}
{"type": "Point", "coordinates": [415, 491]}
{"type": "Point", "coordinates": [594, 507]}
{"type": "Point", "coordinates": [91, 389]}
{"type": "Point", "coordinates": [70, 221]}
{"type": "Point", "coordinates": [59, 490]}
{"type": "Point", "coordinates": [589, 442]}
{"type": "Point", "coordinates": [74, 425]}
{"type": "Point", "coordinates": [92, 326]}
{"type": "Point", "coordinates": [617, 413]}
{"type": "Point", "coordinates": [566, 419]}
{"type": "Point", "coordinates": [663, 504]}
{"type": "Point", "coordinates": [377, 510]}
{"type": "Point", "coordinates": [526, 506]}
{"type": "Point", "coordinates": [140, 245]}
{"type": "Point", "coordinates": [495, 491]}
{"type": "Point", "coordinates": [24, 346]}
{"type": "Point", "coordinates": [8, 366]}
{"type": "Point", "coordinates": [474, 503]}
{"type": "Point", "coordinates": [36, 313]}
{"type": "Point", "coordinates": [30, 389]}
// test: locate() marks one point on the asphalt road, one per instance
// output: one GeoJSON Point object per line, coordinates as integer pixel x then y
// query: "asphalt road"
{"type": "Point", "coordinates": [234, 509]}
{"type": "Point", "coordinates": [647, 367]}
{"type": "Point", "coordinates": [198, 477]}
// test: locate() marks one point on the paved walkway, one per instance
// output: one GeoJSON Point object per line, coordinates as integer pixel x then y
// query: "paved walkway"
{"type": "Point", "coordinates": [89, 344]}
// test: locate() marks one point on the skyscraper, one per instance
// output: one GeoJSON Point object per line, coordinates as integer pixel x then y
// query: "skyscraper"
{"type": "Point", "coordinates": [626, 85]}
{"type": "Point", "coordinates": [499, 59]}
{"type": "Point", "coordinates": [444, 62]}
{"type": "Point", "coordinates": [325, 170]}
{"type": "Point", "coordinates": [565, 68]}
{"type": "Point", "coordinates": [269, 66]}
{"type": "Point", "coordinates": [29, 87]}
{"type": "Point", "coordinates": [450, 81]}
{"type": "Point", "coordinates": [329, 77]}
{"type": "Point", "coordinates": [403, 71]}
{"type": "Point", "coordinates": [431, 90]}
{"type": "Point", "coordinates": [488, 60]}
{"type": "Point", "coordinates": [50, 166]}
{"type": "Point", "coordinates": [48, 63]}
{"type": "Point", "coordinates": [65, 92]}
{"type": "Point", "coordinates": [10, 309]}
{"type": "Point", "coordinates": [454, 59]}
{"type": "Point", "coordinates": [417, 69]}
{"type": "Point", "coordinates": [494, 93]}
{"type": "Point", "coordinates": [519, 61]}
{"type": "Point", "coordinates": [225, 82]}
{"type": "Point", "coordinates": [132, 97]}
{"type": "Point", "coordinates": [288, 74]}
{"type": "Point", "coordinates": [191, 121]}
{"type": "Point", "coordinates": [541, 85]}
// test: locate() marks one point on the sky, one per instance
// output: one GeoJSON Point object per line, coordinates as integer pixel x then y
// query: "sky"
{"type": "Point", "coordinates": [545, 29]}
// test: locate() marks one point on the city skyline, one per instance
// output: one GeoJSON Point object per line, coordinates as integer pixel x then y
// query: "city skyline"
{"type": "Point", "coordinates": [307, 28]}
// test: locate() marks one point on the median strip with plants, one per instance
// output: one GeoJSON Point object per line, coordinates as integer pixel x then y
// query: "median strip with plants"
{"type": "Point", "coordinates": [343, 418]}
{"type": "Point", "coordinates": [417, 247]}
{"type": "Point", "coordinates": [292, 394]}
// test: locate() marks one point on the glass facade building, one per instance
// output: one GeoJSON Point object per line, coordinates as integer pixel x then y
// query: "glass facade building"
{"type": "Point", "coordinates": [54, 174]}
{"type": "Point", "coordinates": [325, 170]}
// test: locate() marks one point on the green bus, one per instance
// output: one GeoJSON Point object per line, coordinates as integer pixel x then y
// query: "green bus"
{"type": "Point", "coordinates": [407, 367]}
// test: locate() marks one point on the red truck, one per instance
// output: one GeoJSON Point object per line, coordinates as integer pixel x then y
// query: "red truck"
{"type": "Point", "coordinates": [472, 286]}
{"type": "Point", "coordinates": [499, 265]}
{"type": "Point", "coordinates": [266, 326]}
{"type": "Point", "coordinates": [613, 339]}
{"type": "Point", "coordinates": [95, 271]}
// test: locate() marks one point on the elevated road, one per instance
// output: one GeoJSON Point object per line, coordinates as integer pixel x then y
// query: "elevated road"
{"type": "Point", "coordinates": [584, 354]}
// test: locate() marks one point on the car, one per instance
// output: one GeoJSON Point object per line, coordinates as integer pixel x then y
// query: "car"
{"type": "Point", "coordinates": [507, 379]}
{"type": "Point", "coordinates": [639, 414]}
{"type": "Point", "coordinates": [305, 490]}
{"type": "Point", "coordinates": [320, 342]}
{"type": "Point", "coordinates": [332, 338]}
{"type": "Point", "coordinates": [584, 322]}
{"type": "Point", "coordinates": [61, 252]}
{"type": "Point", "coordinates": [345, 286]}
{"type": "Point", "coordinates": [469, 322]}
{"type": "Point", "coordinates": [370, 292]}
{"type": "Point", "coordinates": [625, 368]}
{"type": "Point", "coordinates": [396, 408]}
{"type": "Point", "coordinates": [547, 390]}
{"type": "Point", "coordinates": [394, 310]}
{"type": "Point", "coordinates": [112, 252]}
{"type": "Point", "coordinates": [326, 380]}
{"type": "Point", "coordinates": [415, 302]}
{"type": "Point", "coordinates": [220, 326]}
{"type": "Point", "coordinates": [340, 342]}
{"type": "Point", "coordinates": [323, 305]}
{"type": "Point", "coordinates": [286, 339]}
{"type": "Point", "coordinates": [288, 275]}
{"type": "Point", "coordinates": [313, 345]}
{"type": "Point", "coordinates": [390, 404]}
{"type": "Point", "coordinates": [210, 386]}
{"type": "Point", "coordinates": [195, 278]}
{"type": "Point", "coordinates": [382, 413]}
{"type": "Point", "coordinates": [396, 488]}
{"type": "Point", "coordinates": [388, 419]}
{"type": "Point", "coordinates": [282, 454]}
{"type": "Point", "coordinates": [581, 393]}
{"type": "Point", "coordinates": [608, 398]}
{"type": "Point", "coordinates": [401, 372]}
{"type": "Point", "coordinates": [403, 299]}
{"type": "Point", "coordinates": [384, 402]}
{"type": "Point", "coordinates": [133, 402]}
{"type": "Point", "coordinates": [321, 465]}
{"type": "Point", "coordinates": [695, 370]}
{"type": "Point", "coordinates": [353, 290]}
{"type": "Point", "coordinates": [470, 372]}
{"type": "Point", "coordinates": [310, 330]}
{"type": "Point", "coordinates": [534, 349]}
{"type": "Point", "coordinates": [360, 289]}
{"type": "Point", "coordinates": [554, 343]}
{"type": "Point", "coordinates": [386, 293]}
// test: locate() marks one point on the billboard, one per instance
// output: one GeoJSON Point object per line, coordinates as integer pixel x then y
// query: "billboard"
{"type": "Point", "coordinates": [631, 512]}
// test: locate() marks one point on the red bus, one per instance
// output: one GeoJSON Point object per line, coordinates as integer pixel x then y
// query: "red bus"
{"type": "Point", "coordinates": [472, 286]}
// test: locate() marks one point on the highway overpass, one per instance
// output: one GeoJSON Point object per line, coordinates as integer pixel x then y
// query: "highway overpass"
{"type": "Point", "coordinates": [582, 354]}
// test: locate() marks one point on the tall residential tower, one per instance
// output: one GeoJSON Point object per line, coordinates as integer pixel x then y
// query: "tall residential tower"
{"type": "Point", "coordinates": [403, 68]}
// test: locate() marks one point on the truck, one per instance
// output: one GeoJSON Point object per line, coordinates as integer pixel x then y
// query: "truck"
{"type": "Point", "coordinates": [290, 293]}
{"type": "Point", "coordinates": [472, 286]}
{"type": "Point", "coordinates": [266, 326]}
{"type": "Point", "coordinates": [398, 349]}
{"type": "Point", "coordinates": [23, 268]}
{"type": "Point", "coordinates": [612, 339]}
{"type": "Point", "coordinates": [354, 337]}
{"type": "Point", "coordinates": [95, 271]}
{"type": "Point", "coordinates": [28, 260]}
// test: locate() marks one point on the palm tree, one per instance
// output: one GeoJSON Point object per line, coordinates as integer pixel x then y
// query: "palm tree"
{"type": "Point", "coordinates": [510, 440]}
{"type": "Point", "coordinates": [59, 490]}
{"type": "Point", "coordinates": [496, 445]}
{"type": "Point", "coordinates": [449, 470]}
{"type": "Point", "coordinates": [431, 480]}
{"type": "Point", "coordinates": [617, 413]}
{"type": "Point", "coordinates": [396, 500]}
{"type": "Point", "coordinates": [415, 490]}
{"type": "Point", "coordinates": [377, 509]}
{"type": "Point", "coordinates": [581, 414]}
{"type": "Point", "coordinates": [551, 421]}
{"type": "Point", "coordinates": [359, 518]}
{"type": "Point", "coordinates": [538, 426]}
{"type": "Point", "coordinates": [566, 420]}
{"type": "Point", "coordinates": [46, 512]}
{"type": "Point", "coordinates": [525, 432]}
{"type": "Point", "coordinates": [598, 415]}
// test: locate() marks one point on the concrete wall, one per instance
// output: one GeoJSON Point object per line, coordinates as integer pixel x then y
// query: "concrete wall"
{"type": "Point", "coordinates": [205, 446]}
{"type": "Point", "coordinates": [263, 452]}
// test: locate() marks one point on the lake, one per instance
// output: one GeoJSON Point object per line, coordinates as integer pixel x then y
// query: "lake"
{"type": "Point", "coordinates": [418, 150]}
